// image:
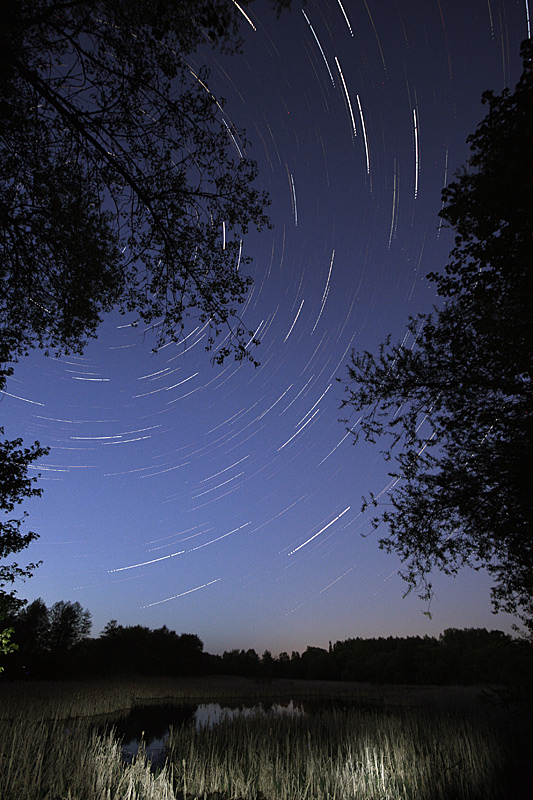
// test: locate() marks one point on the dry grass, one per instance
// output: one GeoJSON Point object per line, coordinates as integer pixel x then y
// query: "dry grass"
{"type": "Point", "coordinates": [49, 751]}
{"type": "Point", "coordinates": [74, 699]}
{"type": "Point", "coordinates": [356, 754]}
{"type": "Point", "coordinates": [49, 761]}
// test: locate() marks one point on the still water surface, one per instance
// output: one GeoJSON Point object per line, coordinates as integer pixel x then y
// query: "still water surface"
{"type": "Point", "coordinates": [151, 723]}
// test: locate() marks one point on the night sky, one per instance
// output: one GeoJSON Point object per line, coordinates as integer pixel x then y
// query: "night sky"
{"type": "Point", "coordinates": [226, 501]}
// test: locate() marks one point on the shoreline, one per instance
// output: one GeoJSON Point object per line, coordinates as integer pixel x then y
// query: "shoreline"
{"type": "Point", "coordinates": [92, 697]}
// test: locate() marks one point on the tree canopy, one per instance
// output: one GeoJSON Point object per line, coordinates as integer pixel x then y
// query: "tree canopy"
{"type": "Point", "coordinates": [15, 487]}
{"type": "Point", "coordinates": [122, 182]}
{"type": "Point", "coordinates": [455, 396]}
{"type": "Point", "coordinates": [53, 643]}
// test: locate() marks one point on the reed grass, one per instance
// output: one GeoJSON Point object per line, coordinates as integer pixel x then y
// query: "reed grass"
{"type": "Point", "coordinates": [341, 754]}
{"type": "Point", "coordinates": [75, 699]}
{"type": "Point", "coordinates": [51, 761]}
{"type": "Point", "coordinates": [49, 749]}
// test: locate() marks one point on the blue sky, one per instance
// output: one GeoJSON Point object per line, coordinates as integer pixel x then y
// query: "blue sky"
{"type": "Point", "coordinates": [226, 501]}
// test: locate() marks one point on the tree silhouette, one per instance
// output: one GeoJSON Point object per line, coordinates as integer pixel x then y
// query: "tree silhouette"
{"type": "Point", "coordinates": [6, 646]}
{"type": "Point", "coordinates": [122, 182]}
{"type": "Point", "coordinates": [46, 639]}
{"type": "Point", "coordinates": [140, 650]}
{"type": "Point", "coordinates": [33, 628]}
{"type": "Point", "coordinates": [455, 399]}
{"type": "Point", "coordinates": [15, 486]}
{"type": "Point", "coordinates": [69, 625]}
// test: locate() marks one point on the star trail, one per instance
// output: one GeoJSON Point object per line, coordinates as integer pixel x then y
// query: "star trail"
{"type": "Point", "coordinates": [357, 114]}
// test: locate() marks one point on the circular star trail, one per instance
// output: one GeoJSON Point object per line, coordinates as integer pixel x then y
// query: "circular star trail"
{"type": "Point", "coordinates": [226, 500]}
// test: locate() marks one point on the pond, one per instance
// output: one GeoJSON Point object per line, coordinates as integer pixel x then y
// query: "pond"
{"type": "Point", "coordinates": [150, 723]}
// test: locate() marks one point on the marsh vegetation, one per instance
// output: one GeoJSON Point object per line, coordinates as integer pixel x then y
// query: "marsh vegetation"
{"type": "Point", "coordinates": [430, 744]}
{"type": "Point", "coordinates": [340, 753]}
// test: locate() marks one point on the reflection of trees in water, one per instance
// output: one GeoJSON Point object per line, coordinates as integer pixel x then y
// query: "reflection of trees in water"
{"type": "Point", "coordinates": [152, 722]}
{"type": "Point", "coordinates": [212, 713]}
{"type": "Point", "coordinates": [149, 724]}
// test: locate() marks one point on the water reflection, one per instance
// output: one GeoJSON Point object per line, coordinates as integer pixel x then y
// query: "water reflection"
{"type": "Point", "coordinates": [212, 713]}
{"type": "Point", "coordinates": [150, 724]}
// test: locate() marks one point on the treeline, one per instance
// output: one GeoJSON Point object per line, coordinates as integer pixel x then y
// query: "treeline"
{"type": "Point", "coordinates": [469, 656]}
{"type": "Point", "coordinates": [53, 643]}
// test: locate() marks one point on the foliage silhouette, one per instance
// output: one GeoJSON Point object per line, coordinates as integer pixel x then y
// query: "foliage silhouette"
{"type": "Point", "coordinates": [6, 646]}
{"type": "Point", "coordinates": [53, 643]}
{"type": "Point", "coordinates": [121, 181]}
{"type": "Point", "coordinates": [455, 398]}
{"type": "Point", "coordinates": [119, 186]}
{"type": "Point", "coordinates": [69, 625]}
{"type": "Point", "coordinates": [46, 639]}
{"type": "Point", "coordinates": [138, 650]}
{"type": "Point", "coordinates": [15, 487]}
